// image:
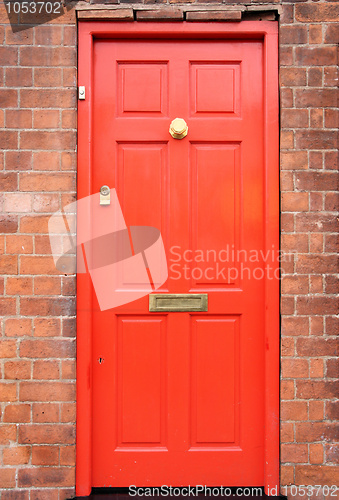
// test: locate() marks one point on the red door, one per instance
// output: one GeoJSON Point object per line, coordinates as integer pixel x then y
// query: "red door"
{"type": "Point", "coordinates": [178, 397]}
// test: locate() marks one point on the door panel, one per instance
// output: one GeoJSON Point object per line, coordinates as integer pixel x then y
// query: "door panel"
{"type": "Point", "coordinates": [179, 397]}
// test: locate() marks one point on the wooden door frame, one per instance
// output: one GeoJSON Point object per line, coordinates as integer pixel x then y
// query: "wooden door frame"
{"type": "Point", "coordinates": [268, 32]}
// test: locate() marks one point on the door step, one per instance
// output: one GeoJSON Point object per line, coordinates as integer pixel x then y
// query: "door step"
{"type": "Point", "coordinates": [122, 494]}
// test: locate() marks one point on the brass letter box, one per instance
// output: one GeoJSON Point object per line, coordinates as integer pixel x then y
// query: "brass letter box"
{"type": "Point", "coordinates": [181, 302]}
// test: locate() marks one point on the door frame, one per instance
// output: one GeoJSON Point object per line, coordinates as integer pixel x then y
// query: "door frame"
{"type": "Point", "coordinates": [268, 32]}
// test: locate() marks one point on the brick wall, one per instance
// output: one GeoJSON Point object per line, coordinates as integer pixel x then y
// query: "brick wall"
{"type": "Point", "coordinates": [37, 177]}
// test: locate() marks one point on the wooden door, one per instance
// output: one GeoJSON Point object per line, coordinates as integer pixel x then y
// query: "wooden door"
{"type": "Point", "coordinates": [178, 397]}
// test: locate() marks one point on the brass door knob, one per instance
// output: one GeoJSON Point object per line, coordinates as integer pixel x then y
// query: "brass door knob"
{"type": "Point", "coordinates": [178, 128]}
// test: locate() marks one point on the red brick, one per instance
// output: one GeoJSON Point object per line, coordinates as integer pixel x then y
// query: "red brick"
{"type": "Point", "coordinates": [46, 412]}
{"type": "Point", "coordinates": [48, 35]}
{"type": "Point", "coordinates": [19, 244]}
{"type": "Point", "coordinates": [17, 327]}
{"type": "Point", "coordinates": [294, 118]}
{"type": "Point", "coordinates": [332, 454]}
{"type": "Point", "coordinates": [62, 181]}
{"type": "Point", "coordinates": [316, 118]}
{"type": "Point", "coordinates": [317, 305]}
{"type": "Point", "coordinates": [17, 413]}
{"type": "Point", "coordinates": [7, 434]}
{"type": "Point", "coordinates": [286, 389]}
{"type": "Point", "coordinates": [316, 368]}
{"type": "Point", "coordinates": [294, 410]}
{"type": "Point", "coordinates": [332, 33]}
{"type": "Point", "coordinates": [9, 139]}
{"type": "Point", "coordinates": [68, 412]}
{"type": "Point", "coordinates": [316, 13]}
{"type": "Point", "coordinates": [315, 33]}
{"type": "Point", "coordinates": [332, 368]}
{"type": "Point", "coordinates": [17, 370]}
{"type": "Point", "coordinates": [69, 77]}
{"type": "Point", "coordinates": [58, 306]}
{"type": "Point", "coordinates": [19, 286]}
{"type": "Point", "coordinates": [286, 56]}
{"type": "Point", "coordinates": [309, 264]}
{"type": "Point", "coordinates": [8, 99]}
{"type": "Point", "coordinates": [7, 478]}
{"type": "Point", "coordinates": [8, 181]}
{"type": "Point", "coordinates": [286, 97]}
{"type": "Point", "coordinates": [294, 202]}
{"type": "Point", "coordinates": [46, 56]}
{"type": "Point", "coordinates": [314, 389]}
{"type": "Point", "coordinates": [7, 306]}
{"type": "Point", "coordinates": [8, 392]}
{"type": "Point", "coordinates": [317, 223]}
{"type": "Point", "coordinates": [47, 391]}
{"type": "Point", "coordinates": [17, 118]}
{"type": "Point", "coordinates": [316, 410]}
{"type": "Point", "coordinates": [48, 494]}
{"type": "Point", "coordinates": [293, 34]}
{"type": "Point", "coordinates": [47, 141]}
{"type": "Point", "coordinates": [316, 284]}
{"type": "Point", "coordinates": [294, 453]}
{"type": "Point", "coordinates": [316, 453]}
{"type": "Point", "coordinates": [316, 139]}
{"type": "Point", "coordinates": [52, 476]}
{"type": "Point", "coordinates": [70, 35]}
{"type": "Point", "coordinates": [8, 348]}
{"type": "Point", "coordinates": [46, 434]}
{"type": "Point", "coordinates": [316, 202]}
{"type": "Point", "coordinates": [316, 98]}
{"type": "Point", "coordinates": [286, 475]}
{"type": "Point", "coordinates": [44, 285]}
{"type": "Point", "coordinates": [8, 224]}
{"type": "Point", "coordinates": [46, 118]}
{"type": "Point", "coordinates": [47, 348]}
{"type": "Point", "coordinates": [295, 325]}
{"type": "Point", "coordinates": [48, 203]}
{"type": "Point", "coordinates": [68, 161]}
{"type": "Point", "coordinates": [286, 139]}
{"type": "Point", "coordinates": [286, 431]}
{"type": "Point", "coordinates": [45, 455]}
{"type": "Point", "coordinates": [36, 264]}
{"type": "Point", "coordinates": [16, 455]}
{"type": "Point", "coordinates": [9, 54]}
{"type": "Point", "coordinates": [69, 119]}
{"type": "Point", "coordinates": [46, 160]}
{"type": "Point", "coordinates": [68, 285]}
{"type": "Point", "coordinates": [19, 37]}
{"type": "Point", "coordinates": [332, 410]}
{"type": "Point", "coordinates": [294, 368]}
{"type": "Point", "coordinates": [19, 77]}
{"type": "Point", "coordinates": [310, 474]}
{"type": "Point", "coordinates": [331, 118]}
{"type": "Point", "coordinates": [47, 77]}
{"type": "Point", "coordinates": [68, 369]}
{"type": "Point", "coordinates": [331, 160]}
{"type": "Point", "coordinates": [315, 77]}
{"type": "Point", "coordinates": [317, 325]}
{"type": "Point", "coordinates": [40, 98]}
{"type": "Point", "coordinates": [317, 346]}
{"type": "Point", "coordinates": [47, 327]}
{"type": "Point", "coordinates": [294, 160]}
{"type": "Point", "coordinates": [331, 202]}
{"type": "Point", "coordinates": [67, 455]}
{"type": "Point", "coordinates": [294, 242]}
{"type": "Point", "coordinates": [46, 370]}
{"type": "Point", "coordinates": [19, 160]}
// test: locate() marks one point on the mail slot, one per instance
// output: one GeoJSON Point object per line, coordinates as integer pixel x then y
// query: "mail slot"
{"type": "Point", "coordinates": [178, 302]}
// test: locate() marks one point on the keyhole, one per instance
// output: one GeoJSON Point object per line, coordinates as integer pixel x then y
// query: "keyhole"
{"type": "Point", "coordinates": [101, 360]}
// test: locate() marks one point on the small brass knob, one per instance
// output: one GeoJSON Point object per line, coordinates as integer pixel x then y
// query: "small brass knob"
{"type": "Point", "coordinates": [178, 128]}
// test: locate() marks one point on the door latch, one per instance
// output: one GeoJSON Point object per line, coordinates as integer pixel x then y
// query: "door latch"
{"type": "Point", "coordinates": [105, 195]}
